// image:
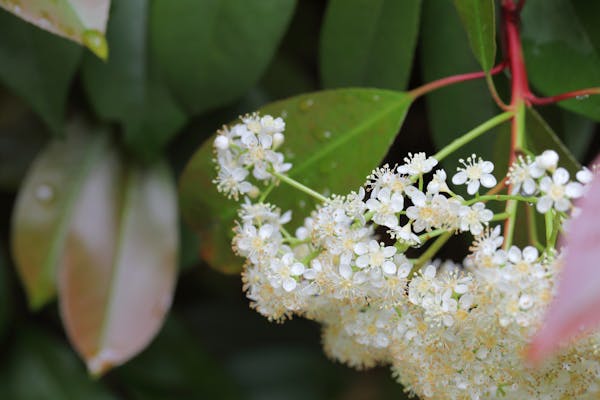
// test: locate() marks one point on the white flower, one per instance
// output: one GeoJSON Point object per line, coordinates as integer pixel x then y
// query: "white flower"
{"type": "Point", "coordinates": [385, 206]}
{"type": "Point", "coordinates": [417, 164]}
{"type": "Point", "coordinates": [584, 175]}
{"type": "Point", "coordinates": [438, 183]}
{"type": "Point", "coordinates": [475, 173]}
{"type": "Point", "coordinates": [404, 234]}
{"type": "Point", "coordinates": [528, 255]}
{"type": "Point", "coordinates": [557, 191]}
{"type": "Point", "coordinates": [547, 161]}
{"type": "Point", "coordinates": [286, 270]}
{"type": "Point", "coordinates": [257, 244]}
{"type": "Point", "coordinates": [520, 177]}
{"type": "Point", "coordinates": [375, 255]}
{"type": "Point", "coordinates": [231, 177]}
{"type": "Point", "coordinates": [473, 218]}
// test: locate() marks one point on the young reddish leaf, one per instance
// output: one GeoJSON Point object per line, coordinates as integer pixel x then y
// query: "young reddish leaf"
{"type": "Point", "coordinates": [44, 206]}
{"type": "Point", "coordinates": [120, 260]}
{"type": "Point", "coordinates": [576, 307]}
{"type": "Point", "coordinates": [83, 21]}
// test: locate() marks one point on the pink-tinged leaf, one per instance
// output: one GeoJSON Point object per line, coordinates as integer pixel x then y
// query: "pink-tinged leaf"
{"type": "Point", "coordinates": [120, 262]}
{"type": "Point", "coordinates": [576, 307]}
{"type": "Point", "coordinates": [44, 206]}
{"type": "Point", "coordinates": [83, 21]}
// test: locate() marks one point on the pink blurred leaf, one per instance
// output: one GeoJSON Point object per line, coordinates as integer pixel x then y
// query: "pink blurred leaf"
{"type": "Point", "coordinates": [118, 277]}
{"type": "Point", "coordinates": [576, 307]}
{"type": "Point", "coordinates": [83, 21]}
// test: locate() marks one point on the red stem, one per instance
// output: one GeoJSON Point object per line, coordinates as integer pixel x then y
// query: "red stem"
{"type": "Point", "coordinates": [431, 86]}
{"type": "Point", "coordinates": [542, 101]}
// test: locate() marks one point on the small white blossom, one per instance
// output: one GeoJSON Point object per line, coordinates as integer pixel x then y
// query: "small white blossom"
{"type": "Point", "coordinates": [547, 161]}
{"type": "Point", "coordinates": [475, 173]}
{"type": "Point", "coordinates": [585, 176]}
{"type": "Point", "coordinates": [520, 177]}
{"type": "Point", "coordinates": [474, 218]}
{"type": "Point", "coordinates": [557, 191]}
{"type": "Point", "coordinates": [376, 255]}
{"type": "Point", "coordinates": [417, 164]}
{"type": "Point", "coordinates": [385, 207]}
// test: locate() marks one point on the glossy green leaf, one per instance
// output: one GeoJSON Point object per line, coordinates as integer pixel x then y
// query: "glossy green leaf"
{"type": "Point", "coordinates": [45, 205]}
{"type": "Point", "coordinates": [213, 51]}
{"type": "Point", "coordinates": [117, 281]}
{"type": "Point", "coordinates": [561, 44]}
{"type": "Point", "coordinates": [333, 138]}
{"type": "Point", "coordinates": [540, 137]}
{"type": "Point", "coordinates": [83, 21]}
{"type": "Point", "coordinates": [128, 88]}
{"type": "Point", "coordinates": [369, 43]}
{"type": "Point", "coordinates": [454, 110]}
{"type": "Point", "coordinates": [479, 21]}
{"type": "Point", "coordinates": [40, 367]}
{"type": "Point", "coordinates": [38, 67]}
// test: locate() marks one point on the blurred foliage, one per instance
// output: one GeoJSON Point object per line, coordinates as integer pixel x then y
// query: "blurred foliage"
{"type": "Point", "coordinates": [176, 72]}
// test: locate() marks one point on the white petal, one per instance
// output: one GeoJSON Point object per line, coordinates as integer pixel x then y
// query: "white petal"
{"type": "Point", "coordinates": [585, 176]}
{"type": "Point", "coordinates": [562, 204]}
{"type": "Point", "coordinates": [473, 187]}
{"type": "Point", "coordinates": [543, 205]}
{"type": "Point", "coordinates": [574, 190]}
{"type": "Point", "coordinates": [529, 187]}
{"type": "Point", "coordinates": [389, 251]}
{"type": "Point", "coordinates": [362, 261]}
{"type": "Point", "coordinates": [265, 231]}
{"type": "Point", "coordinates": [488, 180]}
{"type": "Point", "coordinates": [487, 166]}
{"type": "Point", "coordinates": [429, 272]}
{"type": "Point", "coordinates": [345, 271]}
{"type": "Point", "coordinates": [373, 205]}
{"type": "Point", "coordinates": [514, 254]}
{"type": "Point", "coordinates": [459, 178]}
{"type": "Point", "coordinates": [360, 277]}
{"type": "Point", "coordinates": [560, 176]}
{"type": "Point", "coordinates": [289, 284]}
{"type": "Point", "coordinates": [297, 269]}
{"type": "Point", "coordinates": [361, 248]}
{"type": "Point", "coordinates": [389, 267]}
{"type": "Point", "coordinates": [530, 254]}
{"type": "Point", "coordinates": [476, 229]}
{"type": "Point", "coordinates": [461, 288]}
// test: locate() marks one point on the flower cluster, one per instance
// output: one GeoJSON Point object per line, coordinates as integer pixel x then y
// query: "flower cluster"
{"type": "Point", "coordinates": [448, 330]}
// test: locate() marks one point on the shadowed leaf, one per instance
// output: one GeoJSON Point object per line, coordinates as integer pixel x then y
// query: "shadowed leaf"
{"type": "Point", "coordinates": [377, 52]}
{"type": "Point", "coordinates": [333, 138]}
{"type": "Point", "coordinates": [212, 52]}
{"type": "Point", "coordinates": [38, 67]}
{"type": "Point", "coordinates": [83, 21]}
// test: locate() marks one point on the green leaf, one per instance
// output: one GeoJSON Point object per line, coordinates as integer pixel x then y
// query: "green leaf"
{"type": "Point", "coordinates": [38, 67]}
{"type": "Point", "coordinates": [561, 44]}
{"type": "Point", "coordinates": [333, 138]}
{"type": "Point", "coordinates": [369, 43]}
{"type": "Point", "coordinates": [479, 21]}
{"type": "Point", "coordinates": [120, 263]}
{"type": "Point", "coordinates": [40, 367]}
{"type": "Point", "coordinates": [128, 88]}
{"type": "Point", "coordinates": [213, 51]}
{"type": "Point", "coordinates": [44, 208]}
{"type": "Point", "coordinates": [454, 110]}
{"type": "Point", "coordinates": [540, 137]}
{"type": "Point", "coordinates": [81, 21]}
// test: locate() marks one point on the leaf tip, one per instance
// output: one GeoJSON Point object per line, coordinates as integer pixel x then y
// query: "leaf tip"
{"type": "Point", "coordinates": [96, 42]}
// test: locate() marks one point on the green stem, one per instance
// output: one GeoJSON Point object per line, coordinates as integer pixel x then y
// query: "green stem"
{"type": "Point", "coordinates": [500, 197]}
{"type": "Point", "coordinates": [430, 252]}
{"type": "Point", "coordinates": [430, 235]}
{"type": "Point", "coordinates": [299, 186]}
{"type": "Point", "coordinates": [264, 194]}
{"type": "Point", "coordinates": [472, 134]}
{"type": "Point", "coordinates": [500, 216]}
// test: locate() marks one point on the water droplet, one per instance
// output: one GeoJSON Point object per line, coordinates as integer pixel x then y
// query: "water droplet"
{"type": "Point", "coordinates": [302, 204]}
{"type": "Point", "coordinates": [45, 193]}
{"type": "Point", "coordinates": [333, 165]}
{"type": "Point", "coordinates": [582, 97]}
{"type": "Point", "coordinates": [289, 154]}
{"type": "Point", "coordinates": [284, 114]}
{"type": "Point", "coordinates": [326, 192]}
{"type": "Point", "coordinates": [96, 42]}
{"type": "Point", "coordinates": [17, 9]}
{"type": "Point", "coordinates": [306, 104]}
{"type": "Point", "coordinates": [44, 23]}
{"type": "Point", "coordinates": [327, 134]}
{"type": "Point", "coordinates": [376, 97]}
